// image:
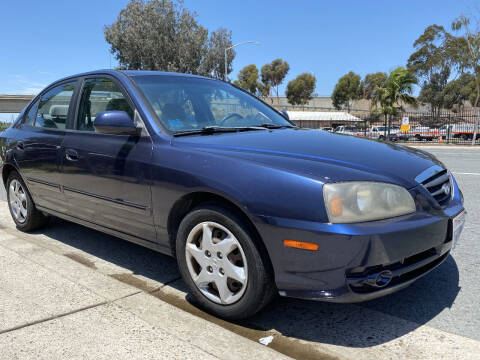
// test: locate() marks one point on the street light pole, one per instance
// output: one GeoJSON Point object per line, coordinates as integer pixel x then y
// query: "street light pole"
{"type": "Point", "coordinates": [231, 47]}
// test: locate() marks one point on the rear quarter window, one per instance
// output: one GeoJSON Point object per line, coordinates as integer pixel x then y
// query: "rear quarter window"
{"type": "Point", "coordinates": [31, 114]}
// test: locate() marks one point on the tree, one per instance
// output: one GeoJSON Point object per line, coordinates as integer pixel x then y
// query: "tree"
{"type": "Point", "coordinates": [432, 91]}
{"type": "Point", "coordinates": [213, 64]}
{"type": "Point", "coordinates": [263, 90]}
{"type": "Point", "coordinates": [274, 73]}
{"type": "Point", "coordinates": [432, 62]}
{"type": "Point", "coordinates": [346, 90]}
{"type": "Point", "coordinates": [467, 56]}
{"type": "Point", "coordinates": [396, 92]}
{"type": "Point", "coordinates": [248, 79]}
{"type": "Point", "coordinates": [163, 35]}
{"type": "Point", "coordinates": [371, 82]}
{"type": "Point", "coordinates": [458, 91]}
{"type": "Point", "coordinates": [300, 90]}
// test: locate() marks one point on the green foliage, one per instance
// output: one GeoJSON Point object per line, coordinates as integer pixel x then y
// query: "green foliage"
{"type": "Point", "coordinates": [274, 73]}
{"type": "Point", "coordinates": [432, 54]}
{"type": "Point", "coordinates": [433, 91]}
{"type": "Point", "coordinates": [371, 82]}
{"type": "Point", "coordinates": [300, 90]}
{"type": "Point", "coordinates": [248, 79]}
{"type": "Point", "coordinates": [459, 90]}
{"type": "Point", "coordinates": [3, 126]}
{"type": "Point", "coordinates": [396, 92]}
{"type": "Point", "coordinates": [163, 35]}
{"type": "Point", "coordinates": [467, 51]}
{"type": "Point", "coordinates": [346, 90]}
{"type": "Point", "coordinates": [263, 90]}
{"type": "Point", "coordinates": [432, 62]}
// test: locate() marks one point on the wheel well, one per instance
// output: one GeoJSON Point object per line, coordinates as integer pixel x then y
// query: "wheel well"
{"type": "Point", "coordinates": [7, 169]}
{"type": "Point", "coordinates": [189, 202]}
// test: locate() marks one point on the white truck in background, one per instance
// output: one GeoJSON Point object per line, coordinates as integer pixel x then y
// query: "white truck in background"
{"type": "Point", "coordinates": [378, 132]}
{"type": "Point", "coordinates": [349, 130]}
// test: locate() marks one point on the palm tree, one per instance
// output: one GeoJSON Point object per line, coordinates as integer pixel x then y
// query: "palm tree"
{"type": "Point", "coordinates": [396, 92]}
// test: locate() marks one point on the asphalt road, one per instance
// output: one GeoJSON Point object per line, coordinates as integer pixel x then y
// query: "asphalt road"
{"type": "Point", "coordinates": [446, 299]}
{"type": "Point", "coordinates": [449, 297]}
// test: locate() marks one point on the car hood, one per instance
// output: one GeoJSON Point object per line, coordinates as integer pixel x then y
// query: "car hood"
{"type": "Point", "coordinates": [319, 154]}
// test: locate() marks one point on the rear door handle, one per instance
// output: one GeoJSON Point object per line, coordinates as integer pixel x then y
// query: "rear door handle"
{"type": "Point", "coordinates": [20, 146]}
{"type": "Point", "coordinates": [71, 155]}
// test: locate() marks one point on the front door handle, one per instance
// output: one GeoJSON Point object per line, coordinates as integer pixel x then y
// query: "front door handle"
{"type": "Point", "coordinates": [71, 155]}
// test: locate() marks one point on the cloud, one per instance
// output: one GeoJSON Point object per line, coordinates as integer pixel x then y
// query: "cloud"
{"type": "Point", "coordinates": [19, 84]}
{"type": "Point", "coordinates": [29, 90]}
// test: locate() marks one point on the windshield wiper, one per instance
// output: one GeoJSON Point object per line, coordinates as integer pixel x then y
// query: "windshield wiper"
{"type": "Point", "coordinates": [208, 130]}
{"type": "Point", "coordinates": [274, 126]}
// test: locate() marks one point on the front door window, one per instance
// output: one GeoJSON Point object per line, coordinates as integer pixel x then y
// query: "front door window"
{"type": "Point", "coordinates": [99, 95]}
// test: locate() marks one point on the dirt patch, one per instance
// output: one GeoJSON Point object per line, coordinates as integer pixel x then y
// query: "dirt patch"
{"type": "Point", "coordinates": [81, 259]}
{"type": "Point", "coordinates": [283, 344]}
{"type": "Point", "coordinates": [132, 280]}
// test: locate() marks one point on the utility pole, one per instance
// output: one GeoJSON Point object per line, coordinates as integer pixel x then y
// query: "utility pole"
{"type": "Point", "coordinates": [233, 46]}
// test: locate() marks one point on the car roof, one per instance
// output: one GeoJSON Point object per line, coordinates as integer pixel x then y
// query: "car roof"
{"type": "Point", "coordinates": [161, 73]}
{"type": "Point", "coordinates": [132, 73]}
{"type": "Point", "coordinates": [129, 73]}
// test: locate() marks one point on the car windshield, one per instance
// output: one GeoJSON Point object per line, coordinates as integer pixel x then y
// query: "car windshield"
{"type": "Point", "coordinates": [185, 104]}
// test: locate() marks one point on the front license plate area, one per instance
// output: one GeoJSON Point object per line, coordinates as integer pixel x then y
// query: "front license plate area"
{"type": "Point", "coordinates": [457, 226]}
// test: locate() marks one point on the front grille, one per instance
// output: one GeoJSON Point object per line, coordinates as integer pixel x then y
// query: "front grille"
{"type": "Point", "coordinates": [440, 186]}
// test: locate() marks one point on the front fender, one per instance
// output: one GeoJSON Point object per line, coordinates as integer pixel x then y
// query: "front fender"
{"type": "Point", "coordinates": [254, 187]}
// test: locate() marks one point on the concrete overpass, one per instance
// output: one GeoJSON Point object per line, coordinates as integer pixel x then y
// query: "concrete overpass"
{"type": "Point", "coordinates": [13, 103]}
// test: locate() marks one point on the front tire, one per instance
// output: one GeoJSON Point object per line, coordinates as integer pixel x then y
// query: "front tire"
{"type": "Point", "coordinates": [24, 213]}
{"type": "Point", "coordinates": [221, 264]}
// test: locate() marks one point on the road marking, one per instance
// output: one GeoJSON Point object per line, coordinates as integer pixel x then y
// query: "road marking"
{"type": "Point", "coordinates": [466, 173]}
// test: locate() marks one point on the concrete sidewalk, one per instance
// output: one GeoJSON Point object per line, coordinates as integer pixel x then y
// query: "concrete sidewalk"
{"type": "Point", "coordinates": [53, 305]}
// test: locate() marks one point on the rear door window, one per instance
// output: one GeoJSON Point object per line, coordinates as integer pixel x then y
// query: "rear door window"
{"type": "Point", "coordinates": [54, 105]}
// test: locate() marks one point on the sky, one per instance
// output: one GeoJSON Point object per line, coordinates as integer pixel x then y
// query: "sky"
{"type": "Point", "coordinates": [43, 41]}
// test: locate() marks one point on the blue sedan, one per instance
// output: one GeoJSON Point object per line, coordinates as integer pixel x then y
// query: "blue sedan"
{"type": "Point", "coordinates": [250, 205]}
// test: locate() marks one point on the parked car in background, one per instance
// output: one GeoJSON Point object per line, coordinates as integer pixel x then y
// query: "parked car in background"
{"type": "Point", "coordinates": [381, 133]}
{"type": "Point", "coordinates": [329, 129]}
{"type": "Point", "coordinates": [249, 204]}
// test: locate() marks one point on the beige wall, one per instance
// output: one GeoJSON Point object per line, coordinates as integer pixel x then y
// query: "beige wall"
{"type": "Point", "coordinates": [325, 103]}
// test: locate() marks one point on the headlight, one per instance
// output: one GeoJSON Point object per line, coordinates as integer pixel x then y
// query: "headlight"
{"type": "Point", "coordinates": [350, 202]}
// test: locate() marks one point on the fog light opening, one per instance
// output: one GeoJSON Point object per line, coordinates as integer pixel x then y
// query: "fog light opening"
{"type": "Point", "coordinates": [380, 279]}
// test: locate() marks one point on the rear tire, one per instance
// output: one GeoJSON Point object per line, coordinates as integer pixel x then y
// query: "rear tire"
{"type": "Point", "coordinates": [24, 213]}
{"type": "Point", "coordinates": [234, 298]}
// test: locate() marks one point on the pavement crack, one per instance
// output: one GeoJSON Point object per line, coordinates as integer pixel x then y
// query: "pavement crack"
{"type": "Point", "coordinates": [58, 316]}
{"type": "Point", "coordinates": [18, 327]}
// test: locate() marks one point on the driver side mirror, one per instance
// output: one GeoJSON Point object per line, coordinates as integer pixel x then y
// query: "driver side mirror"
{"type": "Point", "coordinates": [285, 114]}
{"type": "Point", "coordinates": [115, 122]}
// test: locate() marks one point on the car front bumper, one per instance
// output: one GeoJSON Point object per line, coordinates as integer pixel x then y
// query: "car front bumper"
{"type": "Point", "coordinates": [354, 260]}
